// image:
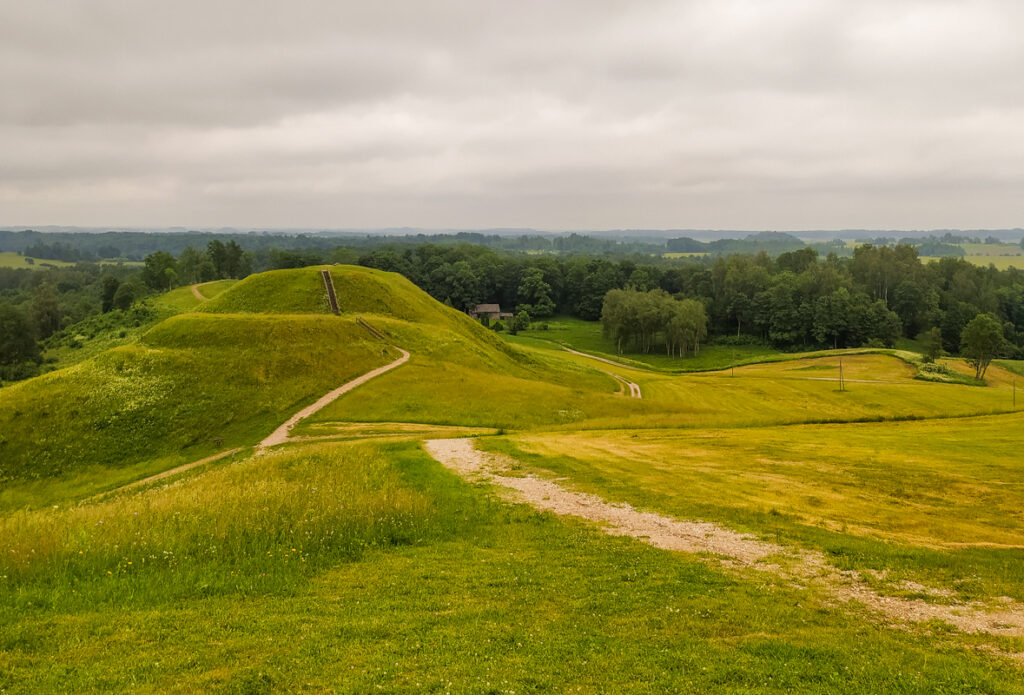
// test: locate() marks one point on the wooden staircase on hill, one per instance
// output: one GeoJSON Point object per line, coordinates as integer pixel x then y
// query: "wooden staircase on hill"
{"type": "Point", "coordinates": [331, 296]}
{"type": "Point", "coordinates": [373, 331]}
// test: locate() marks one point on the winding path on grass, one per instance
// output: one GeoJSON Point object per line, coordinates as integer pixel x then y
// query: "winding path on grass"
{"type": "Point", "coordinates": [199, 295]}
{"type": "Point", "coordinates": [732, 550]}
{"type": "Point", "coordinates": [282, 433]}
{"type": "Point", "coordinates": [634, 388]}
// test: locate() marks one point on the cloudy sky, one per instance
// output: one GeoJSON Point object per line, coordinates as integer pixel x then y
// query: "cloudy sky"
{"type": "Point", "coordinates": [741, 114]}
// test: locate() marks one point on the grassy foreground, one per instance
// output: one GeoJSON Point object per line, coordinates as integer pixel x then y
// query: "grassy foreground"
{"type": "Point", "coordinates": [363, 565]}
{"type": "Point", "coordinates": [365, 568]}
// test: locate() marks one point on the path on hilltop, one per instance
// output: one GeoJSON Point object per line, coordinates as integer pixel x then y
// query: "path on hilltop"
{"type": "Point", "coordinates": [282, 433]}
{"type": "Point", "coordinates": [199, 295]}
{"type": "Point", "coordinates": [634, 388]}
{"type": "Point", "coordinates": [733, 550]}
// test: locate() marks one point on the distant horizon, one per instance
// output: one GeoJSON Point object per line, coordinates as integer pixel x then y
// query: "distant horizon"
{"type": "Point", "coordinates": [1008, 233]}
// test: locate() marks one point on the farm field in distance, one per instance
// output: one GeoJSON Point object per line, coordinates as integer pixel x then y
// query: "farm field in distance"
{"type": "Point", "coordinates": [856, 537]}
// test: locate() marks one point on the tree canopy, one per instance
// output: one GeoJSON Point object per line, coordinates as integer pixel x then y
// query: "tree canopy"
{"type": "Point", "coordinates": [981, 342]}
{"type": "Point", "coordinates": [646, 318]}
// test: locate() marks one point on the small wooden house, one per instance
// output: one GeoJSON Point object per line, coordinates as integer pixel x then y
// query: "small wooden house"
{"type": "Point", "coordinates": [491, 312]}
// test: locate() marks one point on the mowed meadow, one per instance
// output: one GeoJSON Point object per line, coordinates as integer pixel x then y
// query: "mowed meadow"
{"type": "Point", "coordinates": [349, 560]}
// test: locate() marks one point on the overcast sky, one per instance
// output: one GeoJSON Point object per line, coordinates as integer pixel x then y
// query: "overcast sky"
{"type": "Point", "coordinates": [741, 114]}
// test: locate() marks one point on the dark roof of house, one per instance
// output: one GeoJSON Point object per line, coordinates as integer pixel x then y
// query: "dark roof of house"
{"type": "Point", "coordinates": [487, 308]}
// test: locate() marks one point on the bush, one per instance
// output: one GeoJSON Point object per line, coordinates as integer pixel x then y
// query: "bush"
{"type": "Point", "coordinates": [738, 340]}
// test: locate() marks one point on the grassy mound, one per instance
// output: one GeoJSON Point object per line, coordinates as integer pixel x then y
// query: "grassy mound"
{"type": "Point", "coordinates": [192, 385]}
{"type": "Point", "coordinates": [359, 291]}
{"type": "Point", "coordinates": [227, 373]}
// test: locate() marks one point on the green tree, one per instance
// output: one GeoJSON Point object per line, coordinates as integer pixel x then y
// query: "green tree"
{"type": "Point", "coordinates": [218, 255]}
{"type": "Point", "coordinates": [195, 266]}
{"type": "Point", "coordinates": [535, 294]}
{"type": "Point", "coordinates": [981, 342]}
{"type": "Point", "coordinates": [235, 262]}
{"type": "Point", "coordinates": [46, 312]}
{"type": "Point", "coordinates": [832, 314]}
{"type": "Point", "coordinates": [932, 341]}
{"type": "Point", "coordinates": [519, 322]}
{"type": "Point", "coordinates": [687, 325]}
{"type": "Point", "coordinates": [17, 336]}
{"type": "Point", "coordinates": [154, 274]}
{"type": "Point", "coordinates": [107, 292]}
{"type": "Point", "coordinates": [125, 296]}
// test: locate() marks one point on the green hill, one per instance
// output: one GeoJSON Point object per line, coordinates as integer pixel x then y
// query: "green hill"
{"type": "Point", "coordinates": [227, 373]}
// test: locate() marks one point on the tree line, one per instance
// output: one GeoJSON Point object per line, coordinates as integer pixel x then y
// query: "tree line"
{"type": "Point", "coordinates": [795, 300]}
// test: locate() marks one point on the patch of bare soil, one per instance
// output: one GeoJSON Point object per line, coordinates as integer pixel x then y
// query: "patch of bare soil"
{"type": "Point", "coordinates": [731, 549]}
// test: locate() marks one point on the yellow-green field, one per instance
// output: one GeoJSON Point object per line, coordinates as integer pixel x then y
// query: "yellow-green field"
{"type": "Point", "coordinates": [1000, 261]}
{"type": "Point", "coordinates": [10, 259]}
{"type": "Point", "coordinates": [348, 560]}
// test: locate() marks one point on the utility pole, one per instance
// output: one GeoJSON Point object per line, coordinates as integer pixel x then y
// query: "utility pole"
{"type": "Point", "coordinates": [842, 383]}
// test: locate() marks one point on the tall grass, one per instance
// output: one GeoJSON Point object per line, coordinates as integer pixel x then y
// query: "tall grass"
{"type": "Point", "coordinates": [195, 383]}
{"type": "Point", "coordinates": [251, 527]}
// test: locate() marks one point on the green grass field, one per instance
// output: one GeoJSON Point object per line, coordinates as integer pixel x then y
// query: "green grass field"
{"type": "Point", "coordinates": [10, 259]}
{"type": "Point", "coordinates": [360, 564]}
{"type": "Point", "coordinates": [587, 336]}
{"type": "Point", "coordinates": [999, 260]}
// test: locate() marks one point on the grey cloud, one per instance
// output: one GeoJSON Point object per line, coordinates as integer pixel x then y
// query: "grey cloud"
{"type": "Point", "coordinates": [710, 113]}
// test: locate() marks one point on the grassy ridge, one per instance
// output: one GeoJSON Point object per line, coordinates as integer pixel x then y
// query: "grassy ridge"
{"type": "Point", "coordinates": [195, 383]}
{"type": "Point", "coordinates": [433, 586]}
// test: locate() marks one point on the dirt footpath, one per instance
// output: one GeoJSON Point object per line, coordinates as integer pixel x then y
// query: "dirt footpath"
{"type": "Point", "coordinates": [197, 293]}
{"type": "Point", "coordinates": [634, 388]}
{"type": "Point", "coordinates": [731, 549]}
{"type": "Point", "coordinates": [281, 434]}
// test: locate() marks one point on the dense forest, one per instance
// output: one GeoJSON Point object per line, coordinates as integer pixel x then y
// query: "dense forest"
{"type": "Point", "coordinates": [791, 300]}
{"type": "Point", "coordinates": [795, 300]}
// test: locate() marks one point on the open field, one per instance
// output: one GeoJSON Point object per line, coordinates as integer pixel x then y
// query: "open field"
{"type": "Point", "coordinates": [1000, 261]}
{"type": "Point", "coordinates": [10, 259]}
{"type": "Point", "coordinates": [348, 560]}
{"type": "Point", "coordinates": [946, 511]}
{"type": "Point", "coordinates": [588, 337]}
{"type": "Point", "coordinates": [1004, 249]}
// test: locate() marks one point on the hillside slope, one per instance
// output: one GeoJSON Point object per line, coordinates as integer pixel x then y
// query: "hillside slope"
{"type": "Point", "coordinates": [227, 373]}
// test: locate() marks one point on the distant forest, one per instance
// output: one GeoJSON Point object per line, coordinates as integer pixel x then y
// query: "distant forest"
{"type": "Point", "coordinates": [778, 291]}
